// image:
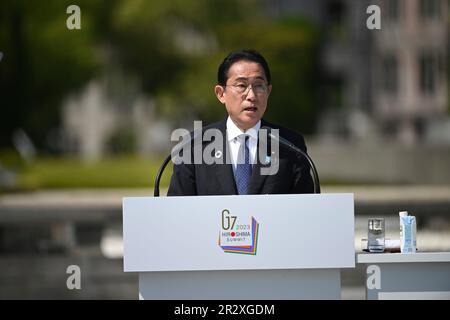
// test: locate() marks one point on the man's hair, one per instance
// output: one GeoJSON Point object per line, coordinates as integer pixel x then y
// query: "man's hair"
{"type": "Point", "coordinates": [242, 55]}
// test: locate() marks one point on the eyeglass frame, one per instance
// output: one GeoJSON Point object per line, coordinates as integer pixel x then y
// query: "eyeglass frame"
{"type": "Point", "coordinates": [246, 90]}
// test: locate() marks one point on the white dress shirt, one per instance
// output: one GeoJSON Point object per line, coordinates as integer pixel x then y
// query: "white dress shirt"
{"type": "Point", "coordinates": [234, 141]}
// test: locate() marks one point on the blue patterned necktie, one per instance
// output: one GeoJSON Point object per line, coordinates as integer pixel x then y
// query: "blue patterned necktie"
{"type": "Point", "coordinates": [243, 170]}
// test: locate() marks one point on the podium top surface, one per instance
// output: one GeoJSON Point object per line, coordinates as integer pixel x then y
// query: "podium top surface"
{"type": "Point", "coordinates": [238, 232]}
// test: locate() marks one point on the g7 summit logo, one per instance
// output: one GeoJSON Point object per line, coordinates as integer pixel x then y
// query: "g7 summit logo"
{"type": "Point", "coordinates": [236, 237]}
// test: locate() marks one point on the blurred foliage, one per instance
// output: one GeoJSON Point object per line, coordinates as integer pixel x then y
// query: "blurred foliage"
{"type": "Point", "coordinates": [173, 47]}
{"type": "Point", "coordinates": [113, 172]}
{"type": "Point", "coordinates": [42, 61]}
{"type": "Point", "coordinates": [179, 48]}
{"type": "Point", "coordinates": [11, 159]}
{"type": "Point", "coordinates": [122, 141]}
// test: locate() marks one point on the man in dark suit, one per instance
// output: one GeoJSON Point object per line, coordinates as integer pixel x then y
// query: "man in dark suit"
{"type": "Point", "coordinates": [244, 86]}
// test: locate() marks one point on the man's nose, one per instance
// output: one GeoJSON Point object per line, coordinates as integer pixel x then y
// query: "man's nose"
{"type": "Point", "coordinates": [250, 94]}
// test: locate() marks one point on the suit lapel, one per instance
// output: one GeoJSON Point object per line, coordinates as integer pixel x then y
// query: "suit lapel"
{"type": "Point", "coordinates": [224, 172]}
{"type": "Point", "coordinates": [257, 180]}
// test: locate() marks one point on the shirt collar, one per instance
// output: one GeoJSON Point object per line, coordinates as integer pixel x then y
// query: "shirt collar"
{"type": "Point", "coordinates": [233, 131]}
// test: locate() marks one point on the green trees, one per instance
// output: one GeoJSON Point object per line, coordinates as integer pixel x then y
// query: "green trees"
{"type": "Point", "coordinates": [172, 47]}
{"type": "Point", "coordinates": [42, 62]}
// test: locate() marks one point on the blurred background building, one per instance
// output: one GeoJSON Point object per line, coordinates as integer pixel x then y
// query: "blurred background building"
{"type": "Point", "coordinates": [87, 116]}
{"type": "Point", "coordinates": [394, 79]}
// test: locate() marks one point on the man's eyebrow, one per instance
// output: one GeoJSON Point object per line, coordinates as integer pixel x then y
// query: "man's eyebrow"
{"type": "Point", "coordinates": [246, 79]}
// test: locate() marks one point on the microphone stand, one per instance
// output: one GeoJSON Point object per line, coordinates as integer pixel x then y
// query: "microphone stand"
{"type": "Point", "coordinates": [283, 141]}
{"type": "Point", "coordinates": [192, 136]}
{"type": "Point", "coordinates": [297, 150]}
{"type": "Point", "coordinates": [159, 174]}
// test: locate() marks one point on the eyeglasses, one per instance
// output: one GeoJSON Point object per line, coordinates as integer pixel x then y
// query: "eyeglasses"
{"type": "Point", "coordinates": [241, 88]}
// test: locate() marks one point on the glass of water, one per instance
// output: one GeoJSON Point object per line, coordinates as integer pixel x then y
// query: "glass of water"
{"type": "Point", "coordinates": [375, 235]}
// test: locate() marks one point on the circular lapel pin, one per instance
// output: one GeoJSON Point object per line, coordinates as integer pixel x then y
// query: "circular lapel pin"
{"type": "Point", "coordinates": [218, 154]}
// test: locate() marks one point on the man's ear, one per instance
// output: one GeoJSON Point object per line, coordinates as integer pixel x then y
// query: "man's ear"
{"type": "Point", "coordinates": [220, 92]}
{"type": "Point", "coordinates": [269, 88]}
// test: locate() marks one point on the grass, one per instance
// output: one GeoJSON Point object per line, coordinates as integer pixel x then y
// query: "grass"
{"type": "Point", "coordinates": [112, 172]}
{"type": "Point", "coordinates": [116, 172]}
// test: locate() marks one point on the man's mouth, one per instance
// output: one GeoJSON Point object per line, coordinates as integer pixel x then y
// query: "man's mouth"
{"type": "Point", "coordinates": [251, 109]}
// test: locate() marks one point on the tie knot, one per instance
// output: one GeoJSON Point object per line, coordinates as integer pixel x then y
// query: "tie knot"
{"type": "Point", "coordinates": [244, 137]}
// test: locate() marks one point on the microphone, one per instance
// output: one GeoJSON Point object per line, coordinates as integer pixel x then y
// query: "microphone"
{"type": "Point", "coordinates": [192, 135]}
{"type": "Point", "coordinates": [289, 145]}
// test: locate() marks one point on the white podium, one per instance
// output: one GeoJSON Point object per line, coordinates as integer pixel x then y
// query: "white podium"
{"type": "Point", "coordinates": [239, 247]}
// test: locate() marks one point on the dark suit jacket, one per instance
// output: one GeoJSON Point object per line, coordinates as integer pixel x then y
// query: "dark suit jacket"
{"type": "Point", "coordinates": [218, 179]}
